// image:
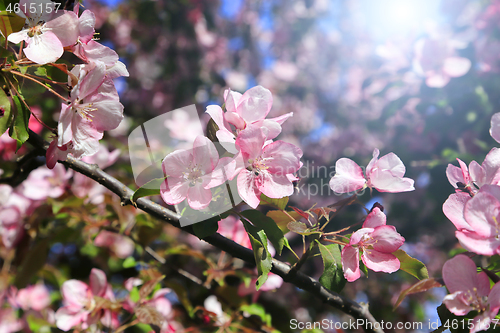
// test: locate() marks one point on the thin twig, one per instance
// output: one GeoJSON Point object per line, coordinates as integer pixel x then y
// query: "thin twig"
{"type": "Point", "coordinates": [40, 83]}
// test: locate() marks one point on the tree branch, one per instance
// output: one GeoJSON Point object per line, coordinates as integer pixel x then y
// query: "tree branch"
{"type": "Point", "coordinates": [282, 269]}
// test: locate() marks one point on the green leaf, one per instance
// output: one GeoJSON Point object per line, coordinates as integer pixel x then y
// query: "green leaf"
{"type": "Point", "coordinates": [301, 228]}
{"type": "Point", "coordinates": [5, 108]}
{"type": "Point", "coordinates": [134, 294]}
{"type": "Point", "coordinates": [363, 268]}
{"type": "Point", "coordinates": [206, 228]}
{"type": "Point", "coordinates": [129, 262]}
{"type": "Point", "coordinates": [10, 22]}
{"type": "Point", "coordinates": [257, 310]}
{"type": "Point", "coordinates": [19, 130]}
{"type": "Point", "coordinates": [262, 222]}
{"type": "Point", "coordinates": [150, 188]}
{"type": "Point", "coordinates": [89, 250]}
{"type": "Point", "coordinates": [263, 258]}
{"type": "Point", "coordinates": [41, 71]}
{"type": "Point", "coordinates": [411, 265]}
{"type": "Point", "coordinates": [278, 203]}
{"type": "Point", "coordinates": [333, 276]}
{"type": "Point", "coordinates": [282, 219]}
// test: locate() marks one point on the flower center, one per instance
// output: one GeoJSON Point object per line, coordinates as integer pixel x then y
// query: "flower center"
{"type": "Point", "coordinates": [193, 174]}
{"type": "Point", "coordinates": [84, 110]}
{"type": "Point", "coordinates": [257, 166]}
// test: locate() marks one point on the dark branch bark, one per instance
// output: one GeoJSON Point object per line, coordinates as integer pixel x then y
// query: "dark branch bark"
{"type": "Point", "coordinates": [282, 269]}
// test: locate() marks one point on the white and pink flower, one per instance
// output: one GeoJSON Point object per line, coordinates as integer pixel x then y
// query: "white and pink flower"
{"type": "Point", "coordinates": [384, 174]}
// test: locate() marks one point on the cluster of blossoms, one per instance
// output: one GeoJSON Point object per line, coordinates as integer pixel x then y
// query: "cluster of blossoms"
{"type": "Point", "coordinates": [474, 209]}
{"type": "Point", "coordinates": [376, 241]}
{"type": "Point", "coordinates": [260, 165]}
{"type": "Point", "coordinates": [94, 105]}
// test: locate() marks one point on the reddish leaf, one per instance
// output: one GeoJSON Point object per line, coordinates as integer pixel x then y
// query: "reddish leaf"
{"type": "Point", "coordinates": [301, 213]}
{"type": "Point", "coordinates": [418, 287]}
{"type": "Point", "coordinates": [149, 286]}
{"type": "Point", "coordinates": [149, 315]}
{"type": "Point", "coordinates": [323, 211]}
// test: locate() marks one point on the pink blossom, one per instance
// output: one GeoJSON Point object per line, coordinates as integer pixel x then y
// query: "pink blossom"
{"type": "Point", "coordinates": [79, 302]}
{"type": "Point", "coordinates": [47, 32]}
{"type": "Point", "coordinates": [251, 108]}
{"type": "Point", "coordinates": [470, 291]}
{"type": "Point", "coordinates": [94, 108]}
{"type": "Point", "coordinates": [267, 166]}
{"type": "Point", "coordinates": [384, 174]}
{"type": "Point", "coordinates": [13, 208]}
{"type": "Point", "coordinates": [495, 127]}
{"type": "Point", "coordinates": [120, 245]}
{"type": "Point", "coordinates": [35, 297]}
{"type": "Point", "coordinates": [44, 182]}
{"type": "Point", "coordinates": [9, 323]}
{"type": "Point", "coordinates": [191, 174]}
{"type": "Point", "coordinates": [472, 178]}
{"type": "Point", "coordinates": [478, 229]}
{"type": "Point", "coordinates": [376, 241]}
{"type": "Point", "coordinates": [93, 52]}
{"type": "Point", "coordinates": [436, 60]}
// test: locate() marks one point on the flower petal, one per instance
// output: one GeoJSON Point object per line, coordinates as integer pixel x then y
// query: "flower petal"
{"type": "Point", "coordinates": [348, 177]}
{"type": "Point", "coordinates": [380, 262]}
{"type": "Point", "coordinates": [350, 263]}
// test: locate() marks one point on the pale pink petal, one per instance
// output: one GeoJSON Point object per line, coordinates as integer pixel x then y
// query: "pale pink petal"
{"type": "Point", "coordinates": [482, 322]}
{"type": "Point", "coordinates": [373, 161]}
{"type": "Point", "coordinates": [274, 185]}
{"type": "Point", "coordinates": [350, 263]}
{"type": "Point", "coordinates": [495, 126]}
{"type": "Point", "coordinates": [358, 235]}
{"type": "Point", "coordinates": [456, 66]}
{"type": "Point", "coordinates": [271, 128]}
{"type": "Point", "coordinates": [232, 99]}
{"type": "Point", "coordinates": [65, 27]}
{"type": "Point", "coordinates": [255, 104]}
{"type": "Point", "coordinates": [250, 141]}
{"type": "Point", "coordinates": [281, 119]}
{"type": "Point", "coordinates": [482, 213]}
{"type": "Point", "coordinates": [454, 175]}
{"type": "Point", "coordinates": [75, 294]}
{"type": "Point", "coordinates": [85, 137]}
{"type": "Point", "coordinates": [480, 245]}
{"type": "Point", "coordinates": [64, 127]}
{"type": "Point", "coordinates": [227, 140]}
{"type": "Point", "coordinates": [453, 208]}
{"type": "Point", "coordinates": [92, 80]}
{"type": "Point", "coordinates": [66, 318]}
{"type": "Point", "coordinates": [348, 177]}
{"type": "Point", "coordinates": [107, 116]}
{"type": "Point", "coordinates": [376, 218]}
{"type": "Point", "coordinates": [460, 274]}
{"type": "Point", "coordinates": [494, 299]}
{"type": "Point", "coordinates": [454, 303]}
{"type": "Point", "coordinates": [379, 261]}
{"type": "Point", "coordinates": [17, 37]}
{"type": "Point", "coordinates": [224, 171]}
{"type": "Point", "coordinates": [386, 239]}
{"type": "Point", "coordinates": [465, 171]}
{"type": "Point", "coordinates": [174, 190]}
{"type": "Point", "coordinates": [385, 181]}
{"type": "Point", "coordinates": [46, 49]}
{"type": "Point", "coordinates": [273, 282]}
{"type": "Point", "coordinates": [247, 189]}
{"type": "Point", "coordinates": [477, 174]}
{"type": "Point", "coordinates": [217, 115]}
{"type": "Point", "coordinates": [198, 197]}
{"type": "Point", "coordinates": [177, 163]}
{"type": "Point", "coordinates": [95, 52]}
{"type": "Point", "coordinates": [205, 155]}
{"type": "Point", "coordinates": [235, 119]}
{"type": "Point", "coordinates": [86, 24]}
{"type": "Point", "coordinates": [117, 70]}
{"type": "Point", "coordinates": [281, 158]}
{"type": "Point", "coordinates": [491, 167]}
{"type": "Point", "coordinates": [391, 163]}
{"type": "Point", "coordinates": [98, 282]}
